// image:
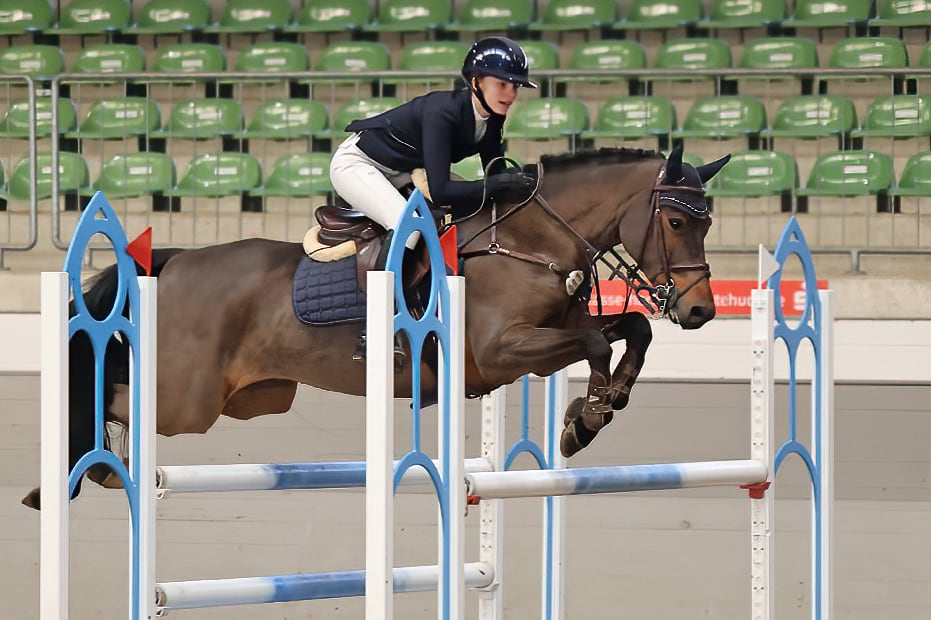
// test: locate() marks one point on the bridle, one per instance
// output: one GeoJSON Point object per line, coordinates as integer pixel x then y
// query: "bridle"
{"type": "Point", "coordinates": [658, 299]}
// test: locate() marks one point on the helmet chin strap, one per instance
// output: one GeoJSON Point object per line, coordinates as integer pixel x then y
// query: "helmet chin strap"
{"type": "Point", "coordinates": [480, 96]}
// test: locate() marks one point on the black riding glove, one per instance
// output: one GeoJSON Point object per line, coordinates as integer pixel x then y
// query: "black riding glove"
{"type": "Point", "coordinates": [516, 185]}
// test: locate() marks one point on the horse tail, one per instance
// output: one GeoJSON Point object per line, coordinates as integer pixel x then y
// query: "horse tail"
{"type": "Point", "coordinates": [99, 295]}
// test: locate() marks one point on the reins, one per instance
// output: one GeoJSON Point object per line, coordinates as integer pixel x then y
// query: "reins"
{"type": "Point", "coordinates": [661, 297]}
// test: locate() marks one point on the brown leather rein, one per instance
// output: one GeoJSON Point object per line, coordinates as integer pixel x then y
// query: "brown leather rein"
{"type": "Point", "coordinates": [662, 296]}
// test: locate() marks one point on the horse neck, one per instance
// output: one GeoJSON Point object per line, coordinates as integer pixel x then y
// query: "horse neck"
{"type": "Point", "coordinates": [597, 199]}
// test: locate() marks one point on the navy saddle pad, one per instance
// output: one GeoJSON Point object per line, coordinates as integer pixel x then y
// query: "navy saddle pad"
{"type": "Point", "coordinates": [328, 293]}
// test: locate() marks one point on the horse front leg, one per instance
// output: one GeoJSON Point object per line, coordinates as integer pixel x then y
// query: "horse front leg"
{"type": "Point", "coordinates": [546, 350]}
{"type": "Point", "coordinates": [585, 417]}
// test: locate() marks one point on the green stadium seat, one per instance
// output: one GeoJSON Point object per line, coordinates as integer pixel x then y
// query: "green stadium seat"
{"type": "Point", "coordinates": [541, 55]}
{"type": "Point", "coordinates": [660, 15]}
{"type": "Point", "coordinates": [411, 16]}
{"type": "Point", "coordinates": [813, 116]}
{"type": "Point", "coordinates": [915, 179]}
{"type": "Point", "coordinates": [868, 53]}
{"type": "Point", "coordinates": [685, 55]}
{"type": "Point", "coordinates": [849, 173]}
{"type": "Point", "coordinates": [547, 118]}
{"type": "Point", "coordinates": [828, 14]}
{"type": "Point", "coordinates": [85, 17]}
{"type": "Point", "coordinates": [287, 119]}
{"type": "Point", "coordinates": [901, 14]}
{"type": "Point", "coordinates": [273, 57]}
{"type": "Point", "coordinates": [754, 174]}
{"type": "Point", "coordinates": [635, 118]}
{"type": "Point", "coordinates": [740, 14]}
{"type": "Point", "coordinates": [118, 118]}
{"type": "Point", "coordinates": [352, 57]}
{"type": "Point", "coordinates": [17, 119]}
{"type": "Point", "coordinates": [252, 17]}
{"type": "Point", "coordinates": [724, 117]}
{"type": "Point", "coordinates": [40, 62]}
{"type": "Point", "coordinates": [332, 16]}
{"type": "Point", "coordinates": [896, 116]}
{"type": "Point", "coordinates": [298, 175]}
{"type": "Point", "coordinates": [24, 16]}
{"type": "Point", "coordinates": [132, 175]}
{"type": "Point", "coordinates": [203, 118]}
{"type": "Point", "coordinates": [72, 175]}
{"type": "Point", "coordinates": [431, 57]}
{"type": "Point", "coordinates": [189, 58]}
{"type": "Point", "coordinates": [352, 110]}
{"type": "Point", "coordinates": [110, 58]}
{"type": "Point", "coordinates": [492, 15]}
{"type": "Point", "coordinates": [779, 53]}
{"type": "Point", "coordinates": [605, 54]}
{"type": "Point", "coordinates": [215, 175]}
{"type": "Point", "coordinates": [172, 17]}
{"type": "Point", "coordinates": [563, 15]}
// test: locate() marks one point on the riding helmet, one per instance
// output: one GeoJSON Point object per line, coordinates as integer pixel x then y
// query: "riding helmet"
{"type": "Point", "coordinates": [499, 57]}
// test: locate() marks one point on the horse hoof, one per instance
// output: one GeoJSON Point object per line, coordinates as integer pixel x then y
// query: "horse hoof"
{"type": "Point", "coordinates": [568, 443]}
{"type": "Point", "coordinates": [573, 411]}
{"type": "Point", "coordinates": [33, 499]}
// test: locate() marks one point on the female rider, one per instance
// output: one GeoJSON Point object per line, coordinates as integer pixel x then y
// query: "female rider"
{"type": "Point", "coordinates": [433, 131]}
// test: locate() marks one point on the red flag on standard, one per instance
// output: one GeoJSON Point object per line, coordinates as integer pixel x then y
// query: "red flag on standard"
{"type": "Point", "coordinates": [449, 243]}
{"type": "Point", "coordinates": [140, 249]}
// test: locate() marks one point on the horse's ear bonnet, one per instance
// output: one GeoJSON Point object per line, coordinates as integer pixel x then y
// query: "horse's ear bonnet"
{"type": "Point", "coordinates": [679, 173]}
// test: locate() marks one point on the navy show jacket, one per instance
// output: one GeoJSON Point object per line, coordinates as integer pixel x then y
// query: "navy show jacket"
{"type": "Point", "coordinates": [432, 132]}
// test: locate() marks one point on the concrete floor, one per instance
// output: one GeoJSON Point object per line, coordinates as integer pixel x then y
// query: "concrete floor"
{"type": "Point", "coordinates": [656, 555]}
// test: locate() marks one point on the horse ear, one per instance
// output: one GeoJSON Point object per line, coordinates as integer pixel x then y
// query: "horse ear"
{"type": "Point", "coordinates": [674, 165]}
{"type": "Point", "coordinates": [707, 171]}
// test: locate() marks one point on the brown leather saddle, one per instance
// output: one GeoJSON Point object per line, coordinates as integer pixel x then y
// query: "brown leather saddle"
{"type": "Point", "coordinates": [340, 223]}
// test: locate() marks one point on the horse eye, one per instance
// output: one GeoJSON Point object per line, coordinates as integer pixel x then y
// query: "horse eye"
{"type": "Point", "coordinates": [675, 223]}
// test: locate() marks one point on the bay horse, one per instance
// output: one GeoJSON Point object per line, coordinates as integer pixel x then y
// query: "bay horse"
{"type": "Point", "coordinates": [229, 342]}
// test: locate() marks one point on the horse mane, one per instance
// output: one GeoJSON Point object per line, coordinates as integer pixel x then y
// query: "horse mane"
{"type": "Point", "coordinates": [604, 155]}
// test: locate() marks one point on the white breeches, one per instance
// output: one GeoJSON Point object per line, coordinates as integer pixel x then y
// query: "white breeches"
{"type": "Point", "coordinates": [368, 186]}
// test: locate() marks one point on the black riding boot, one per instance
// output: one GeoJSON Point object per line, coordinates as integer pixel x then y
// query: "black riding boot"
{"type": "Point", "coordinates": [399, 353]}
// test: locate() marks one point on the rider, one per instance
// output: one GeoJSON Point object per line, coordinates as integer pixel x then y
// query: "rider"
{"type": "Point", "coordinates": [433, 131]}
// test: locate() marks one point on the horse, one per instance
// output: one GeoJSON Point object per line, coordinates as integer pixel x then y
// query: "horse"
{"type": "Point", "coordinates": [229, 342]}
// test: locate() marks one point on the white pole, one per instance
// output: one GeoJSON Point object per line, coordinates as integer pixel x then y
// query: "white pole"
{"type": "Point", "coordinates": [491, 513]}
{"type": "Point", "coordinates": [53, 565]}
{"type": "Point", "coordinates": [379, 445]}
{"type": "Point", "coordinates": [452, 449]}
{"type": "Point", "coordinates": [762, 448]}
{"type": "Point", "coordinates": [825, 452]}
{"type": "Point", "coordinates": [554, 526]}
{"type": "Point", "coordinates": [144, 476]}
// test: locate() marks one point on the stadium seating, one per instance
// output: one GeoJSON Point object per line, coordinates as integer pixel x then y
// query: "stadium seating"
{"type": "Point", "coordinates": [492, 15]}
{"type": "Point", "coordinates": [171, 17]}
{"type": "Point", "coordinates": [814, 116]}
{"type": "Point", "coordinates": [901, 15]}
{"type": "Point", "coordinates": [351, 110]}
{"type": "Point", "coordinates": [726, 117]}
{"type": "Point", "coordinates": [24, 16]}
{"type": "Point", "coordinates": [17, 119]}
{"type": "Point", "coordinates": [684, 56]}
{"type": "Point", "coordinates": [189, 58]}
{"type": "Point", "coordinates": [297, 175]}
{"type": "Point", "coordinates": [252, 17]}
{"type": "Point", "coordinates": [547, 119]}
{"type": "Point", "coordinates": [850, 174]}
{"type": "Point", "coordinates": [915, 179]}
{"type": "Point", "coordinates": [40, 62]}
{"type": "Point", "coordinates": [287, 119]}
{"type": "Point", "coordinates": [660, 15]}
{"type": "Point", "coordinates": [829, 14]}
{"type": "Point", "coordinates": [411, 16]}
{"type": "Point", "coordinates": [73, 178]}
{"type": "Point", "coordinates": [90, 17]}
{"type": "Point", "coordinates": [757, 174]}
{"type": "Point", "coordinates": [215, 175]}
{"type": "Point", "coordinates": [132, 175]}
{"type": "Point", "coordinates": [649, 119]}
{"type": "Point", "coordinates": [601, 55]}
{"type": "Point", "coordinates": [118, 119]}
{"type": "Point", "coordinates": [331, 16]}
{"type": "Point", "coordinates": [431, 57]}
{"type": "Point", "coordinates": [740, 14]}
{"type": "Point", "coordinates": [203, 118]}
{"type": "Point", "coordinates": [579, 15]}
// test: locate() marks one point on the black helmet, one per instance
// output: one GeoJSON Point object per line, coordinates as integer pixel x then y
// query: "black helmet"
{"type": "Point", "coordinates": [499, 57]}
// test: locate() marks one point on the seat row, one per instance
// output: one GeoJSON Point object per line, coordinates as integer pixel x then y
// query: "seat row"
{"type": "Point", "coordinates": [749, 174]}
{"type": "Point", "coordinates": [153, 175]}
{"type": "Point", "coordinates": [43, 61]}
{"type": "Point", "coordinates": [838, 174]}
{"type": "Point", "coordinates": [258, 16]}
{"type": "Point", "coordinates": [547, 118]}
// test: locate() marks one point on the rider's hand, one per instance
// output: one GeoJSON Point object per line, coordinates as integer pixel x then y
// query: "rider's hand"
{"type": "Point", "coordinates": [510, 184]}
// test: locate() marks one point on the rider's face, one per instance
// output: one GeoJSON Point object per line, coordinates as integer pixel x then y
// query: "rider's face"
{"type": "Point", "coordinates": [499, 94]}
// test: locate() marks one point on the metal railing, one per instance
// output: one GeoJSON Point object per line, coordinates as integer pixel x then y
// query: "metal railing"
{"type": "Point", "coordinates": [12, 241]}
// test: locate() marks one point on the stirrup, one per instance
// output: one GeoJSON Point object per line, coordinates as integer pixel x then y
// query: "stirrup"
{"type": "Point", "coordinates": [399, 353]}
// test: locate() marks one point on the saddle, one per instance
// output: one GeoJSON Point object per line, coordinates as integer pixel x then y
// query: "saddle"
{"type": "Point", "coordinates": [342, 231]}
